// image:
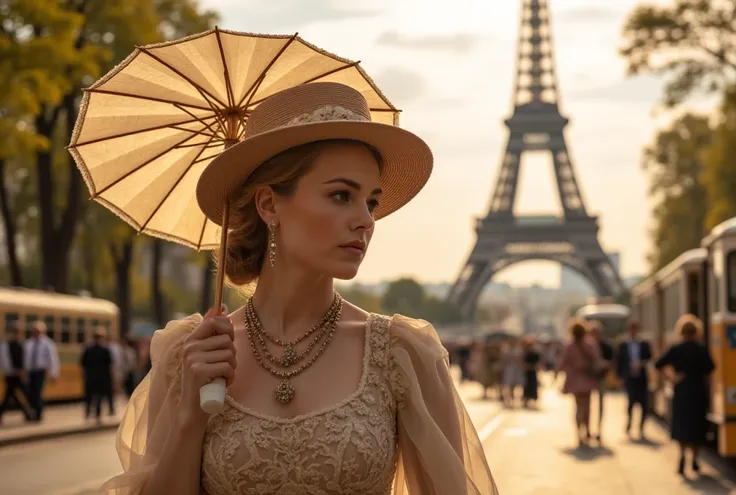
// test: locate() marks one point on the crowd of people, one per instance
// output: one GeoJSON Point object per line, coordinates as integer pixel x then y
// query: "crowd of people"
{"type": "Point", "coordinates": [588, 360]}
{"type": "Point", "coordinates": [591, 365]}
{"type": "Point", "coordinates": [108, 367]}
{"type": "Point", "coordinates": [507, 366]}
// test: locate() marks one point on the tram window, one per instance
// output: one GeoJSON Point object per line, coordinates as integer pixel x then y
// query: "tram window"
{"type": "Point", "coordinates": [715, 282]}
{"type": "Point", "coordinates": [693, 294]}
{"type": "Point", "coordinates": [10, 320]}
{"type": "Point", "coordinates": [30, 319]}
{"type": "Point", "coordinates": [731, 280]}
{"type": "Point", "coordinates": [66, 331]}
{"type": "Point", "coordinates": [50, 327]}
{"type": "Point", "coordinates": [81, 334]}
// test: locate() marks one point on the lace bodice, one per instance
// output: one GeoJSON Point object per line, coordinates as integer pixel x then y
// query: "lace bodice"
{"type": "Point", "coordinates": [349, 448]}
{"type": "Point", "coordinates": [403, 431]}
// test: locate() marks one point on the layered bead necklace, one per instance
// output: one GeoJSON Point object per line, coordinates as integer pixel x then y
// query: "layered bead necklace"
{"type": "Point", "coordinates": [290, 357]}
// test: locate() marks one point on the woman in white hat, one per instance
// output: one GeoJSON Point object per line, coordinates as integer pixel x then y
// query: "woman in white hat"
{"type": "Point", "coordinates": [322, 397]}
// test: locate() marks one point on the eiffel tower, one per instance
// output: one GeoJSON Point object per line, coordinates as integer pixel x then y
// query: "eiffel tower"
{"type": "Point", "coordinates": [536, 124]}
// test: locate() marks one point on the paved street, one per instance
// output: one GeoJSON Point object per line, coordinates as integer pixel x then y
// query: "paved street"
{"type": "Point", "coordinates": [531, 452]}
{"type": "Point", "coordinates": [71, 465]}
{"type": "Point", "coordinates": [534, 452]}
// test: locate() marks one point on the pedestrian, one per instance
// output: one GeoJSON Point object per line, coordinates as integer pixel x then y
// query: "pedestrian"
{"type": "Point", "coordinates": [16, 378]}
{"type": "Point", "coordinates": [531, 371]}
{"type": "Point", "coordinates": [324, 397]}
{"type": "Point", "coordinates": [42, 362]}
{"type": "Point", "coordinates": [632, 363]}
{"type": "Point", "coordinates": [692, 365]}
{"type": "Point", "coordinates": [605, 349]}
{"type": "Point", "coordinates": [580, 361]}
{"type": "Point", "coordinates": [97, 365]}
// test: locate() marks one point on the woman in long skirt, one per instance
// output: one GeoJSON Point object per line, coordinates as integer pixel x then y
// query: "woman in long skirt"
{"type": "Point", "coordinates": [692, 366]}
{"type": "Point", "coordinates": [531, 366]}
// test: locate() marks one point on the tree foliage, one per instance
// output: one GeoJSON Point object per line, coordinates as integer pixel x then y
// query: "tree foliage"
{"type": "Point", "coordinates": [50, 50]}
{"type": "Point", "coordinates": [675, 166]}
{"type": "Point", "coordinates": [692, 42]}
{"type": "Point", "coordinates": [720, 160]}
{"type": "Point", "coordinates": [407, 296]}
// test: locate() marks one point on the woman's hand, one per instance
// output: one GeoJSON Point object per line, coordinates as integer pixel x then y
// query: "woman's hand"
{"type": "Point", "coordinates": [208, 353]}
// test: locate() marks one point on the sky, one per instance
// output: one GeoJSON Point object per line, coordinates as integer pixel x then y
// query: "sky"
{"type": "Point", "coordinates": [449, 66]}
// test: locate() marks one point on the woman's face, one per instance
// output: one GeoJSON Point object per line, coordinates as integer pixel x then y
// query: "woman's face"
{"type": "Point", "coordinates": [327, 224]}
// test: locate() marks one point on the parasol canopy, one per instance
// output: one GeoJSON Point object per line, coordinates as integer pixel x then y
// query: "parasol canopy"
{"type": "Point", "coordinates": [148, 128]}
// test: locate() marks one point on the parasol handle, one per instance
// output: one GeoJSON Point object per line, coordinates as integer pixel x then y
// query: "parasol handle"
{"type": "Point", "coordinates": [212, 395]}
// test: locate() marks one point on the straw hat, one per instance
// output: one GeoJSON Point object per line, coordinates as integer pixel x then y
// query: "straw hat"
{"type": "Point", "coordinates": [316, 112]}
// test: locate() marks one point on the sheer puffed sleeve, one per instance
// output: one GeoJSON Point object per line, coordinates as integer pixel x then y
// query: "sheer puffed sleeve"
{"type": "Point", "coordinates": [439, 449]}
{"type": "Point", "coordinates": [148, 417]}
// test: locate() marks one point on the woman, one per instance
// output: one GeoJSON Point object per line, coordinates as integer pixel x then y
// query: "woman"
{"type": "Point", "coordinates": [692, 365]}
{"type": "Point", "coordinates": [513, 371]}
{"type": "Point", "coordinates": [491, 368]}
{"type": "Point", "coordinates": [531, 369]}
{"type": "Point", "coordinates": [580, 363]}
{"type": "Point", "coordinates": [322, 396]}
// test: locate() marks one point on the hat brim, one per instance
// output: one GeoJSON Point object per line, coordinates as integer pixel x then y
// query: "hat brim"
{"type": "Point", "coordinates": [406, 167]}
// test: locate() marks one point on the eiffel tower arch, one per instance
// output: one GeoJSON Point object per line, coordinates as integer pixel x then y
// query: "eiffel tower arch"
{"type": "Point", "coordinates": [503, 238]}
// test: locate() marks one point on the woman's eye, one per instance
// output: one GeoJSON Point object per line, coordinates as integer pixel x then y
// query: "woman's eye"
{"type": "Point", "coordinates": [372, 204]}
{"type": "Point", "coordinates": [342, 196]}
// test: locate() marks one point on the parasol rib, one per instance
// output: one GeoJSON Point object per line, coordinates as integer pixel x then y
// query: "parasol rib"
{"type": "Point", "coordinates": [130, 172]}
{"type": "Point", "coordinates": [200, 132]}
{"type": "Point", "coordinates": [204, 159]}
{"type": "Point", "coordinates": [149, 98]}
{"type": "Point", "coordinates": [315, 78]}
{"type": "Point", "coordinates": [201, 234]}
{"type": "Point", "coordinates": [140, 131]}
{"type": "Point", "coordinates": [182, 75]}
{"type": "Point", "coordinates": [257, 83]}
{"type": "Point", "coordinates": [228, 86]}
{"type": "Point", "coordinates": [194, 116]}
{"type": "Point", "coordinates": [192, 145]}
{"type": "Point", "coordinates": [189, 167]}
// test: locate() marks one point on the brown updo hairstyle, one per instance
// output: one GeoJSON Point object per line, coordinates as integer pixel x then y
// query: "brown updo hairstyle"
{"type": "Point", "coordinates": [248, 238]}
{"type": "Point", "coordinates": [689, 327]}
{"type": "Point", "coordinates": [578, 329]}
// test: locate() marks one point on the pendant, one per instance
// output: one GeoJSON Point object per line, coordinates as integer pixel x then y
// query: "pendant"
{"type": "Point", "coordinates": [290, 356]}
{"type": "Point", "coordinates": [284, 392]}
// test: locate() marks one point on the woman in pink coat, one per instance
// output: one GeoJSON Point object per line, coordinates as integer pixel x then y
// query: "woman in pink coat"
{"type": "Point", "coordinates": [580, 360]}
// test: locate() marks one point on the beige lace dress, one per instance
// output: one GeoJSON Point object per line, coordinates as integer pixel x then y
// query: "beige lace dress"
{"type": "Point", "coordinates": [404, 428]}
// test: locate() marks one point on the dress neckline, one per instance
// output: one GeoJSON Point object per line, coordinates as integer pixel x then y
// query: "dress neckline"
{"type": "Point", "coordinates": [325, 410]}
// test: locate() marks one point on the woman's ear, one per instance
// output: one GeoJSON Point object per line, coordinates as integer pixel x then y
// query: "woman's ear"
{"type": "Point", "coordinates": [265, 200]}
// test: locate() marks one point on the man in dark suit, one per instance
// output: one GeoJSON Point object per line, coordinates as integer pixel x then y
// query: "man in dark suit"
{"type": "Point", "coordinates": [607, 354]}
{"type": "Point", "coordinates": [97, 367]}
{"type": "Point", "coordinates": [633, 357]}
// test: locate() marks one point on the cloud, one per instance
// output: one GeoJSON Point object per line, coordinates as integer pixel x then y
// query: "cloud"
{"type": "Point", "coordinates": [589, 14]}
{"type": "Point", "coordinates": [401, 85]}
{"type": "Point", "coordinates": [459, 43]}
{"type": "Point", "coordinates": [286, 16]}
{"type": "Point", "coordinates": [632, 89]}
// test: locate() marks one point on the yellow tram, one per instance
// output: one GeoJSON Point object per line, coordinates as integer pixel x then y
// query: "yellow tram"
{"type": "Point", "coordinates": [70, 321]}
{"type": "Point", "coordinates": [701, 282]}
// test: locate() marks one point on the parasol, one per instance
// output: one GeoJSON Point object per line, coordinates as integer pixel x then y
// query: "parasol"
{"type": "Point", "coordinates": [147, 129]}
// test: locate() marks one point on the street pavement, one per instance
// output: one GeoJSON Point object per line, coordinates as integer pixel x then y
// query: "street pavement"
{"type": "Point", "coordinates": [535, 452]}
{"type": "Point", "coordinates": [530, 452]}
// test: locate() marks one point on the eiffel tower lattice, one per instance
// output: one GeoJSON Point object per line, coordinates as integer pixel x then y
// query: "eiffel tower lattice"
{"type": "Point", "coordinates": [536, 124]}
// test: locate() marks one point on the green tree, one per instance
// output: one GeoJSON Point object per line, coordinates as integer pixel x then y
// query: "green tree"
{"type": "Point", "coordinates": [691, 42]}
{"type": "Point", "coordinates": [674, 164]}
{"type": "Point", "coordinates": [720, 160]}
{"type": "Point", "coordinates": [29, 80]}
{"type": "Point", "coordinates": [405, 296]}
{"type": "Point", "coordinates": [362, 298]}
{"type": "Point", "coordinates": [99, 35]}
